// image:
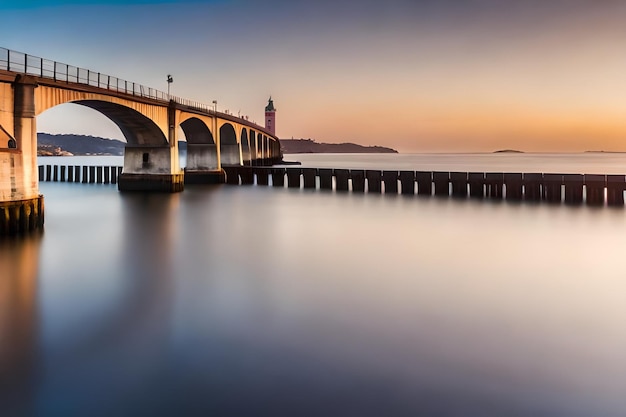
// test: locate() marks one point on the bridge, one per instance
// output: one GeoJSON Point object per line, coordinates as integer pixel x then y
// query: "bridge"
{"type": "Point", "coordinates": [149, 120]}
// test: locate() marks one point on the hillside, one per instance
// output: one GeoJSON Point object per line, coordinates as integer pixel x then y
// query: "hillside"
{"type": "Point", "coordinates": [48, 144]}
{"type": "Point", "coordinates": [310, 146]}
{"type": "Point", "coordinates": [68, 144]}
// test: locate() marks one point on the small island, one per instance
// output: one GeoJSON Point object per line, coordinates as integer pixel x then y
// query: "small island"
{"type": "Point", "coordinates": [508, 151]}
{"type": "Point", "coordinates": [294, 146]}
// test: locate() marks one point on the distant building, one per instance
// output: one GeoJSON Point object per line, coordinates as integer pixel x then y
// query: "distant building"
{"type": "Point", "coordinates": [270, 116]}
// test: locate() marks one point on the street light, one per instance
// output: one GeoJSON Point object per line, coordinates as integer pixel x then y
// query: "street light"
{"type": "Point", "coordinates": [169, 81]}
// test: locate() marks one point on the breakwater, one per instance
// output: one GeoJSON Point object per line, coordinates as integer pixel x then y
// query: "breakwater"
{"type": "Point", "coordinates": [590, 189]}
{"type": "Point", "coordinates": [593, 189]}
{"type": "Point", "coordinates": [83, 174]}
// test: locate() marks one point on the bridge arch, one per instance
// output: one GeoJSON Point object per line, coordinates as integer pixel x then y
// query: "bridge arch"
{"type": "Point", "coordinates": [141, 123]}
{"type": "Point", "coordinates": [138, 129]}
{"type": "Point", "coordinates": [229, 148]}
{"type": "Point", "coordinates": [253, 147]}
{"type": "Point", "coordinates": [201, 147]}
{"type": "Point", "coordinates": [197, 132]}
{"type": "Point", "coordinates": [245, 147]}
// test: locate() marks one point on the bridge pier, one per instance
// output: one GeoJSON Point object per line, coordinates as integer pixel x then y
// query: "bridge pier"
{"type": "Point", "coordinates": [150, 168]}
{"type": "Point", "coordinates": [202, 167]}
{"type": "Point", "coordinates": [229, 155]}
{"type": "Point", "coordinates": [21, 206]}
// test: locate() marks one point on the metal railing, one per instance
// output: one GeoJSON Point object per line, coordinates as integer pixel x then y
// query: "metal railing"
{"type": "Point", "coordinates": [22, 63]}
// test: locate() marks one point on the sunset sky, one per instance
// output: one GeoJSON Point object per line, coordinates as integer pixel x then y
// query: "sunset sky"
{"type": "Point", "coordinates": [419, 76]}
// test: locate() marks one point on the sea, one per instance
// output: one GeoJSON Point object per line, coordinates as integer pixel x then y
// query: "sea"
{"type": "Point", "coordinates": [265, 301]}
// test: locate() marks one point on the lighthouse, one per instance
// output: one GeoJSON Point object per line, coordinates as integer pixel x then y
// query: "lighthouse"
{"type": "Point", "coordinates": [270, 117]}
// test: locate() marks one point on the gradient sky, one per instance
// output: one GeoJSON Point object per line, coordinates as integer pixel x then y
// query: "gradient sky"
{"type": "Point", "coordinates": [419, 76]}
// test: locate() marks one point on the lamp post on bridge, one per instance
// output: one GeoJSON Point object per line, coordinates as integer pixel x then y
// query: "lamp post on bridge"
{"type": "Point", "coordinates": [170, 80]}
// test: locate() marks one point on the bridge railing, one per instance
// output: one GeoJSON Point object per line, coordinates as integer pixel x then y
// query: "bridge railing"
{"type": "Point", "coordinates": [44, 68]}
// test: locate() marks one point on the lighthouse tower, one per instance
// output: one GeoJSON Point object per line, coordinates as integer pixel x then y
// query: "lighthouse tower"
{"type": "Point", "coordinates": [270, 117]}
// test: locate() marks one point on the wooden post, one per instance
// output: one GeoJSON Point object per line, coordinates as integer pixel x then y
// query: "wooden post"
{"type": "Point", "coordinates": [326, 178]}
{"type": "Point", "coordinates": [341, 179]}
{"type": "Point", "coordinates": [407, 182]}
{"type": "Point", "coordinates": [442, 183]}
{"type": "Point", "coordinates": [293, 177]}
{"type": "Point", "coordinates": [373, 181]}
{"type": "Point", "coordinates": [390, 178]}
{"type": "Point", "coordinates": [513, 183]}
{"type": "Point", "coordinates": [594, 189]}
{"type": "Point", "coordinates": [476, 184]}
{"type": "Point", "coordinates": [424, 183]}
{"type": "Point", "coordinates": [278, 177]}
{"type": "Point", "coordinates": [309, 175]}
{"type": "Point", "coordinates": [459, 184]}
{"type": "Point", "coordinates": [573, 188]}
{"type": "Point", "coordinates": [358, 180]}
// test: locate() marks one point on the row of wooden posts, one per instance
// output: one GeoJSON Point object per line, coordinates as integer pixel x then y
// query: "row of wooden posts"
{"type": "Point", "coordinates": [571, 188]}
{"type": "Point", "coordinates": [76, 173]}
{"type": "Point", "coordinates": [555, 188]}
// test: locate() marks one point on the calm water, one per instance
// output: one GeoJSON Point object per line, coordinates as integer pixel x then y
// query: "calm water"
{"type": "Point", "coordinates": [252, 301]}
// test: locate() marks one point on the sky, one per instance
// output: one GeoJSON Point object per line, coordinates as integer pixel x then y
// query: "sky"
{"type": "Point", "coordinates": [415, 75]}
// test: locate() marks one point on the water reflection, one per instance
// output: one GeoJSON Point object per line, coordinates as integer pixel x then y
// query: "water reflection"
{"type": "Point", "coordinates": [248, 301]}
{"type": "Point", "coordinates": [19, 261]}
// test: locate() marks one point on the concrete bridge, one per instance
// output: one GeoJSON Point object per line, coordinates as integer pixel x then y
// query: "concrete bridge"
{"type": "Point", "coordinates": [149, 120]}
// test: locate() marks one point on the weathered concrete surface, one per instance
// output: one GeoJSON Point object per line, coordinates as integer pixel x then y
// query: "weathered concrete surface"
{"type": "Point", "coordinates": [202, 157]}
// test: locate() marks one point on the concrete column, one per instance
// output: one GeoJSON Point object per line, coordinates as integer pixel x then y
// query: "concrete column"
{"type": "Point", "coordinates": [76, 173]}
{"type": "Point", "coordinates": [424, 183]}
{"type": "Point", "coordinates": [150, 168]}
{"type": "Point", "coordinates": [326, 178]}
{"type": "Point", "coordinates": [70, 173]}
{"type": "Point", "coordinates": [442, 181]}
{"type": "Point", "coordinates": [202, 164]}
{"type": "Point", "coordinates": [21, 206]}
{"type": "Point", "coordinates": [390, 178]}
{"type": "Point", "coordinates": [309, 175]}
{"type": "Point", "coordinates": [113, 175]}
{"type": "Point", "coordinates": [230, 155]}
{"type": "Point", "coordinates": [41, 173]}
{"type": "Point", "coordinates": [594, 189]}
{"type": "Point", "coordinates": [407, 182]}
{"type": "Point", "coordinates": [201, 157]}
{"type": "Point", "coordinates": [62, 173]}
{"type": "Point", "coordinates": [55, 172]}
{"type": "Point", "coordinates": [358, 180]}
{"type": "Point", "coordinates": [513, 183]}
